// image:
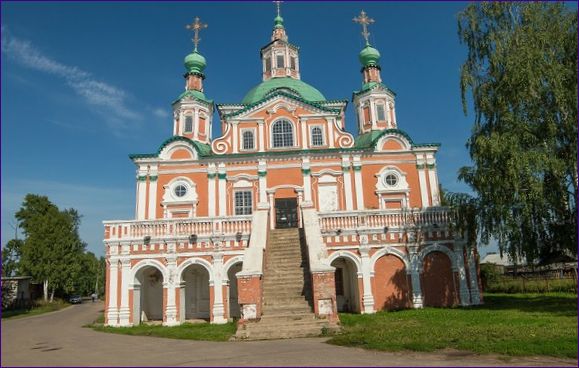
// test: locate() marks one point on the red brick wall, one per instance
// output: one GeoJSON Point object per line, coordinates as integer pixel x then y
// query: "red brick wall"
{"type": "Point", "coordinates": [391, 286]}
{"type": "Point", "coordinates": [439, 287]}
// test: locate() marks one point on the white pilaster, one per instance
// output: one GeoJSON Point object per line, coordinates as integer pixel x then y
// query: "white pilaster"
{"type": "Point", "coordinates": [196, 124]}
{"type": "Point", "coordinates": [373, 114]}
{"type": "Point", "coordinates": [153, 192]}
{"type": "Point", "coordinates": [433, 179]}
{"type": "Point", "coordinates": [171, 284]}
{"type": "Point", "coordinates": [463, 287]}
{"type": "Point", "coordinates": [112, 308]}
{"type": "Point", "coordinates": [261, 137]}
{"type": "Point", "coordinates": [271, 209]}
{"type": "Point", "coordinates": [125, 311]}
{"type": "Point", "coordinates": [235, 144]}
{"type": "Point", "coordinates": [141, 192]}
{"type": "Point", "coordinates": [222, 190]}
{"type": "Point", "coordinates": [330, 124]}
{"type": "Point", "coordinates": [358, 186]}
{"type": "Point", "coordinates": [218, 309]}
{"type": "Point", "coordinates": [422, 181]}
{"type": "Point", "coordinates": [261, 172]}
{"type": "Point", "coordinates": [307, 185]}
{"type": "Point", "coordinates": [417, 300]}
{"type": "Point", "coordinates": [305, 136]}
{"type": "Point", "coordinates": [368, 297]}
{"type": "Point", "coordinates": [347, 183]}
{"type": "Point", "coordinates": [212, 198]}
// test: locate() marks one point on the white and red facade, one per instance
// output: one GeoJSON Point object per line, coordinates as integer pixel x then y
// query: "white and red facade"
{"type": "Point", "coordinates": [369, 206]}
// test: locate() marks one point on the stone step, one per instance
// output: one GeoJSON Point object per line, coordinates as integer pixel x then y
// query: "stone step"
{"type": "Point", "coordinates": [302, 307]}
{"type": "Point", "coordinates": [287, 331]}
{"type": "Point", "coordinates": [288, 301]}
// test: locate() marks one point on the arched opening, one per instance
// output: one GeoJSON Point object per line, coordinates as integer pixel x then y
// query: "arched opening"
{"type": "Point", "coordinates": [148, 295]}
{"type": "Point", "coordinates": [392, 288]}
{"type": "Point", "coordinates": [195, 292]}
{"type": "Point", "coordinates": [234, 310]}
{"type": "Point", "coordinates": [346, 279]}
{"type": "Point", "coordinates": [438, 283]}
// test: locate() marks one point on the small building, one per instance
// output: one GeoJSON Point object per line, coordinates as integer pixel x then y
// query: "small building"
{"type": "Point", "coordinates": [21, 291]}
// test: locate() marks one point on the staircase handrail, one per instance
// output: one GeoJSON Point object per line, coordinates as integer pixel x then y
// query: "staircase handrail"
{"type": "Point", "coordinates": [317, 252]}
{"type": "Point", "coordinates": [253, 254]}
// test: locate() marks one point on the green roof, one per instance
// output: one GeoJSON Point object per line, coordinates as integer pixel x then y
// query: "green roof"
{"type": "Point", "coordinates": [372, 85]}
{"type": "Point", "coordinates": [296, 86]}
{"type": "Point", "coordinates": [370, 139]}
{"type": "Point", "coordinates": [194, 94]}
{"type": "Point", "coordinates": [202, 149]}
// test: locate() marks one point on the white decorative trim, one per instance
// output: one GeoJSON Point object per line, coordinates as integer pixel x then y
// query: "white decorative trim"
{"type": "Point", "coordinates": [149, 263]}
{"type": "Point", "coordinates": [437, 248]}
{"type": "Point", "coordinates": [349, 255]}
{"type": "Point", "coordinates": [230, 263]}
{"type": "Point", "coordinates": [194, 261]}
{"type": "Point", "coordinates": [389, 250]}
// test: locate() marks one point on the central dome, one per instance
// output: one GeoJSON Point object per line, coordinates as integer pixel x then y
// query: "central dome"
{"type": "Point", "coordinates": [289, 85]}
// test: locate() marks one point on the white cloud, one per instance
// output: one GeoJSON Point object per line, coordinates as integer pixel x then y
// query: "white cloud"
{"type": "Point", "coordinates": [109, 101]}
{"type": "Point", "coordinates": [161, 113]}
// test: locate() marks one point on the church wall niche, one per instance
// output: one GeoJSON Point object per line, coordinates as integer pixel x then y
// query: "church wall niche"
{"type": "Point", "coordinates": [438, 281]}
{"type": "Point", "coordinates": [392, 288]}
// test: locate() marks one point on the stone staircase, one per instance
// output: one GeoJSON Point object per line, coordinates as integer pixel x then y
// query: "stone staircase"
{"type": "Point", "coordinates": [287, 312]}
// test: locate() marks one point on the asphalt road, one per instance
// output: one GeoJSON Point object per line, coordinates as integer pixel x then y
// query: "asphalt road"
{"type": "Point", "coordinates": [58, 339]}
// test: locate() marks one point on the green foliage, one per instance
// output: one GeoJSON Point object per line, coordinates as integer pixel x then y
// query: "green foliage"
{"type": "Point", "coordinates": [7, 295]}
{"type": "Point", "coordinates": [524, 324]}
{"type": "Point", "coordinates": [490, 274]}
{"type": "Point", "coordinates": [53, 251]}
{"type": "Point", "coordinates": [516, 285]}
{"type": "Point", "coordinates": [39, 308]}
{"type": "Point", "coordinates": [186, 331]}
{"type": "Point", "coordinates": [11, 254]}
{"type": "Point", "coordinates": [521, 70]}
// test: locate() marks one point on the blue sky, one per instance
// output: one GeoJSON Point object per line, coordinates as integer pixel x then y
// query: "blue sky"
{"type": "Point", "coordinates": [86, 84]}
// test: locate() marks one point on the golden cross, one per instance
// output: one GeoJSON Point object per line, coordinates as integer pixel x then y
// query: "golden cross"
{"type": "Point", "coordinates": [364, 20]}
{"type": "Point", "coordinates": [196, 26]}
{"type": "Point", "coordinates": [278, 6]}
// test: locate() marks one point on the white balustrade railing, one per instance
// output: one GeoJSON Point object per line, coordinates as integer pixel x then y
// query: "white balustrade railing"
{"type": "Point", "coordinates": [344, 220]}
{"type": "Point", "coordinates": [203, 226]}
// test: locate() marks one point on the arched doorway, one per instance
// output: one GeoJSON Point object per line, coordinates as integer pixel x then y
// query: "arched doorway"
{"type": "Point", "coordinates": [346, 279]}
{"type": "Point", "coordinates": [392, 288]}
{"type": "Point", "coordinates": [234, 311]}
{"type": "Point", "coordinates": [148, 295]}
{"type": "Point", "coordinates": [438, 282]}
{"type": "Point", "coordinates": [196, 292]}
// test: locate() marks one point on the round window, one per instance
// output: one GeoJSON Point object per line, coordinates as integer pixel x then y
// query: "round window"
{"type": "Point", "coordinates": [180, 190]}
{"type": "Point", "coordinates": [391, 180]}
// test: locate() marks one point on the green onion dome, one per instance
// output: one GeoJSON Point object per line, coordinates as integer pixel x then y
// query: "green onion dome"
{"type": "Point", "coordinates": [369, 56]}
{"type": "Point", "coordinates": [278, 22]}
{"type": "Point", "coordinates": [195, 63]}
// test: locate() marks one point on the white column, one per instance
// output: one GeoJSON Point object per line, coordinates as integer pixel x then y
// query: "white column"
{"type": "Point", "coordinates": [433, 179]}
{"type": "Point", "coordinates": [305, 136]}
{"type": "Point", "coordinates": [417, 300]}
{"type": "Point", "coordinates": [358, 187]}
{"type": "Point", "coordinates": [271, 210]}
{"type": "Point", "coordinates": [112, 308]}
{"type": "Point", "coordinates": [372, 108]}
{"type": "Point", "coordinates": [347, 183]}
{"type": "Point", "coordinates": [218, 309]}
{"type": "Point", "coordinates": [196, 124]}
{"type": "Point", "coordinates": [125, 311]}
{"type": "Point", "coordinates": [153, 192]}
{"type": "Point", "coordinates": [330, 124]}
{"type": "Point", "coordinates": [261, 173]}
{"type": "Point", "coordinates": [474, 290]}
{"type": "Point", "coordinates": [368, 297]}
{"type": "Point", "coordinates": [141, 192]}
{"type": "Point", "coordinates": [307, 184]}
{"type": "Point", "coordinates": [234, 126]}
{"type": "Point", "coordinates": [261, 137]}
{"type": "Point", "coordinates": [170, 284]}
{"type": "Point", "coordinates": [212, 198]}
{"type": "Point", "coordinates": [463, 287]}
{"type": "Point", "coordinates": [422, 182]}
{"type": "Point", "coordinates": [222, 190]}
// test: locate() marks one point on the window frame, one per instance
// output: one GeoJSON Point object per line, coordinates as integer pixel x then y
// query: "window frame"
{"type": "Point", "coordinates": [322, 136]}
{"type": "Point", "coordinates": [187, 118]}
{"type": "Point", "coordinates": [279, 57]}
{"type": "Point", "coordinates": [283, 134]}
{"type": "Point", "coordinates": [253, 140]}
{"type": "Point", "coordinates": [380, 108]}
{"type": "Point", "coordinates": [246, 205]}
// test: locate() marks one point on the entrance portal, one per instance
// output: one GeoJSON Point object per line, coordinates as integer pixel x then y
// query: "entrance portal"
{"type": "Point", "coordinates": [286, 213]}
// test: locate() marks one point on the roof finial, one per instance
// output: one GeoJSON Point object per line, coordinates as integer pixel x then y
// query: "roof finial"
{"type": "Point", "coordinates": [364, 20]}
{"type": "Point", "coordinates": [278, 7]}
{"type": "Point", "coordinates": [196, 26]}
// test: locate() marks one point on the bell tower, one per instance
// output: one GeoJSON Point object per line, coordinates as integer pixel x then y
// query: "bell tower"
{"type": "Point", "coordinates": [192, 111]}
{"type": "Point", "coordinates": [279, 57]}
{"type": "Point", "coordinates": [375, 107]}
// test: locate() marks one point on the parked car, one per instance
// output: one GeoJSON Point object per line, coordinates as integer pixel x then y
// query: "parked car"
{"type": "Point", "coordinates": [75, 299]}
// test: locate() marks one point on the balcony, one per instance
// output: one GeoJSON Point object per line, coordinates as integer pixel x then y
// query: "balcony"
{"type": "Point", "coordinates": [203, 227]}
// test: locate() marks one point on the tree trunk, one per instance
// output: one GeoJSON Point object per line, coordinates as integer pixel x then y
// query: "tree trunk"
{"type": "Point", "coordinates": [52, 295]}
{"type": "Point", "coordinates": [45, 290]}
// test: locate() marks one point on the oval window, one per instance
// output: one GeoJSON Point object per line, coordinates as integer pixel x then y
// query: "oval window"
{"type": "Point", "coordinates": [391, 180]}
{"type": "Point", "coordinates": [180, 190]}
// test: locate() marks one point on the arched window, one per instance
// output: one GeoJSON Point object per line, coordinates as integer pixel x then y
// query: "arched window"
{"type": "Point", "coordinates": [283, 134]}
{"type": "Point", "coordinates": [317, 136]}
{"type": "Point", "coordinates": [188, 124]}
{"type": "Point", "coordinates": [248, 142]}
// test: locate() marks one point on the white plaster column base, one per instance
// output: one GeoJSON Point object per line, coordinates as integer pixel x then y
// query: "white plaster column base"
{"type": "Point", "coordinates": [112, 317]}
{"type": "Point", "coordinates": [124, 315]}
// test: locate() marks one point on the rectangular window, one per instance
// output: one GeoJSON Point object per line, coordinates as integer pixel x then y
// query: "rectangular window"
{"type": "Point", "coordinates": [188, 124]}
{"type": "Point", "coordinates": [248, 140]}
{"type": "Point", "coordinates": [381, 115]}
{"type": "Point", "coordinates": [317, 136]}
{"type": "Point", "coordinates": [243, 204]}
{"type": "Point", "coordinates": [293, 63]}
{"type": "Point", "coordinates": [279, 60]}
{"type": "Point", "coordinates": [267, 64]}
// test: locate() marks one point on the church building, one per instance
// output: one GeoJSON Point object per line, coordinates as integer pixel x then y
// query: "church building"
{"type": "Point", "coordinates": [285, 219]}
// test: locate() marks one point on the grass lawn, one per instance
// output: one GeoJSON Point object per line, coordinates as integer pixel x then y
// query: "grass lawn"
{"type": "Point", "coordinates": [186, 331]}
{"type": "Point", "coordinates": [510, 324]}
{"type": "Point", "coordinates": [40, 309]}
